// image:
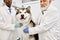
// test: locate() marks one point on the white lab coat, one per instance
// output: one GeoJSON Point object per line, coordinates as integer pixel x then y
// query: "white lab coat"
{"type": "Point", "coordinates": [48, 27]}
{"type": "Point", "coordinates": [7, 23]}
{"type": "Point", "coordinates": [1, 3]}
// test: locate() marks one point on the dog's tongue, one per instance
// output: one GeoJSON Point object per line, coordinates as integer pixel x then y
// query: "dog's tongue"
{"type": "Point", "coordinates": [22, 20]}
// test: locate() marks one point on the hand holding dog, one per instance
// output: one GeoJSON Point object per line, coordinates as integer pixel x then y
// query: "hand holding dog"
{"type": "Point", "coordinates": [26, 30]}
{"type": "Point", "coordinates": [18, 25]}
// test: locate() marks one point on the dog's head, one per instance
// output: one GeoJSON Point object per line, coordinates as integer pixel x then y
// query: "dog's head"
{"type": "Point", "coordinates": [23, 15]}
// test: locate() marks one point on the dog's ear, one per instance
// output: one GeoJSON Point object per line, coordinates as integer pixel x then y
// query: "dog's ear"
{"type": "Point", "coordinates": [28, 7]}
{"type": "Point", "coordinates": [16, 8]}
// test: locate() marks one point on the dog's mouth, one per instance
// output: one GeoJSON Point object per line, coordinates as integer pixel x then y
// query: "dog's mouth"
{"type": "Point", "coordinates": [22, 17]}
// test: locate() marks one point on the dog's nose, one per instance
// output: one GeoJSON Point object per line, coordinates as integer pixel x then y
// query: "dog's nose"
{"type": "Point", "coordinates": [22, 15]}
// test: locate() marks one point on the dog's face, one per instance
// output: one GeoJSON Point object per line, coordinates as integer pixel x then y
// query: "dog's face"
{"type": "Point", "coordinates": [23, 15]}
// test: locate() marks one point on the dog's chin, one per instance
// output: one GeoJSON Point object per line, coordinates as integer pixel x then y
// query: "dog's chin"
{"type": "Point", "coordinates": [24, 21]}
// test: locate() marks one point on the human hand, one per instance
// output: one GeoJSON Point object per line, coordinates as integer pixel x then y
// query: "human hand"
{"type": "Point", "coordinates": [26, 30]}
{"type": "Point", "coordinates": [18, 25]}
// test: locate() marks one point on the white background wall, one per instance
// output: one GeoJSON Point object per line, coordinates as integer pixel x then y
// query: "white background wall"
{"type": "Point", "coordinates": [56, 3]}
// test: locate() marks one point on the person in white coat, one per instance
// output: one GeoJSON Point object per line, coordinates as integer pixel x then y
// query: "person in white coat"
{"type": "Point", "coordinates": [48, 25]}
{"type": "Point", "coordinates": [7, 21]}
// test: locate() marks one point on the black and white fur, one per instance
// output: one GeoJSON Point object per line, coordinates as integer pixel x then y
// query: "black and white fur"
{"type": "Point", "coordinates": [23, 15]}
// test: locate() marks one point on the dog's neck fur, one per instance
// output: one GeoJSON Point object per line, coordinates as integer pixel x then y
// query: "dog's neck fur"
{"type": "Point", "coordinates": [26, 23]}
{"type": "Point", "coordinates": [29, 24]}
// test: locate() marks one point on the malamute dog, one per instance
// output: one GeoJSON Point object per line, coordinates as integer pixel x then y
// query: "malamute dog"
{"type": "Point", "coordinates": [23, 15]}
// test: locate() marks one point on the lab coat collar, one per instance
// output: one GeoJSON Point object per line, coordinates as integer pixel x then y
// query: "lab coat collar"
{"type": "Point", "coordinates": [49, 7]}
{"type": "Point", "coordinates": [47, 10]}
{"type": "Point", "coordinates": [12, 10]}
{"type": "Point", "coordinates": [7, 7]}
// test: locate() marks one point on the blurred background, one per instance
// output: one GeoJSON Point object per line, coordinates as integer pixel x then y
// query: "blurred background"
{"type": "Point", "coordinates": [55, 2]}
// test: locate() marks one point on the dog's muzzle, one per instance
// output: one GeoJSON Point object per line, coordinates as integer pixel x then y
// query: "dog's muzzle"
{"type": "Point", "coordinates": [22, 16]}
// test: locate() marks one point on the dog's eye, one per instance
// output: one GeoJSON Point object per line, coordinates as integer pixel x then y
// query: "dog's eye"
{"type": "Point", "coordinates": [16, 13]}
{"type": "Point", "coordinates": [20, 12]}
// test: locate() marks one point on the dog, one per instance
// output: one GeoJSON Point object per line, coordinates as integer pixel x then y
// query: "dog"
{"type": "Point", "coordinates": [23, 15]}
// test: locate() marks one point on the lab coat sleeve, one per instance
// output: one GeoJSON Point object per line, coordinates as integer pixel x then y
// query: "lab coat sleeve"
{"type": "Point", "coordinates": [5, 25]}
{"type": "Point", "coordinates": [45, 26]}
